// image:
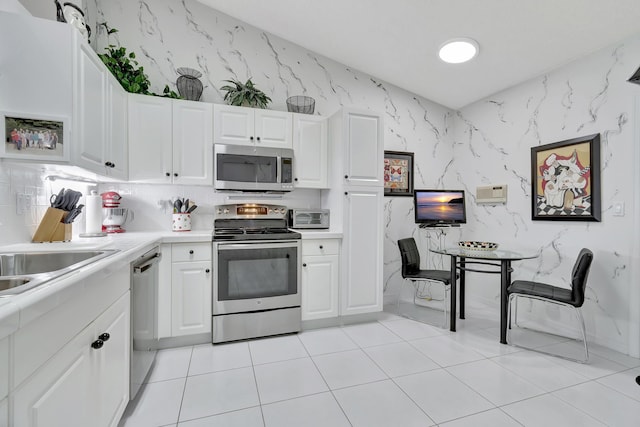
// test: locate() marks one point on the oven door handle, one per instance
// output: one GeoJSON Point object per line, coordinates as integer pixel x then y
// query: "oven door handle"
{"type": "Point", "coordinates": [270, 245]}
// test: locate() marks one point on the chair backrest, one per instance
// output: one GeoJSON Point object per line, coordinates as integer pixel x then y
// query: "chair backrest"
{"type": "Point", "coordinates": [579, 276]}
{"type": "Point", "coordinates": [410, 256]}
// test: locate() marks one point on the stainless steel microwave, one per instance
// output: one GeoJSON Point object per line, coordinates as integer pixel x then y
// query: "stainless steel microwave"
{"type": "Point", "coordinates": [308, 218]}
{"type": "Point", "coordinates": [249, 168]}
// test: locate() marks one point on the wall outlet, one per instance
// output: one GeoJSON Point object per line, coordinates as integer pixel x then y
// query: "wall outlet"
{"type": "Point", "coordinates": [23, 203]}
{"type": "Point", "coordinates": [618, 208]}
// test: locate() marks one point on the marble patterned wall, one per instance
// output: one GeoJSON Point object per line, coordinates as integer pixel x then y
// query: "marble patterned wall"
{"type": "Point", "coordinates": [166, 35]}
{"type": "Point", "coordinates": [485, 143]}
{"type": "Point", "coordinates": [492, 141]}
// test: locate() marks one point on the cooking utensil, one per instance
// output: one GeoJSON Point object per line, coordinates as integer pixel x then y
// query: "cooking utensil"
{"type": "Point", "coordinates": [72, 200]}
{"type": "Point", "coordinates": [192, 208]}
{"type": "Point", "coordinates": [177, 206]}
{"type": "Point", "coordinates": [185, 205]}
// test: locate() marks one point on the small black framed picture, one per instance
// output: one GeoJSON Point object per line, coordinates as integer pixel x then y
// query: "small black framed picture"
{"type": "Point", "coordinates": [398, 173]}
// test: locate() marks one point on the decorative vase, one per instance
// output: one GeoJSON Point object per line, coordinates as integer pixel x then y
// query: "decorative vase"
{"type": "Point", "coordinates": [189, 87]}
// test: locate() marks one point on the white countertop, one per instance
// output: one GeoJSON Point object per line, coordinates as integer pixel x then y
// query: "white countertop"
{"type": "Point", "coordinates": [18, 310]}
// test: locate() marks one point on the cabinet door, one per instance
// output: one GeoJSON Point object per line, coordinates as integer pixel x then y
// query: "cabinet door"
{"type": "Point", "coordinates": [192, 143]}
{"type": "Point", "coordinates": [111, 362]}
{"type": "Point", "coordinates": [116, 156]}
{"type": "Point", "coordinates": [4, 369]}
{"type": "Point", "coordinates": [190, 298]}
{"type": "Point", "coordinates": [233, 125]}
{"type": "Point", "coordinates": [150, 135]}
{"type": "Point", "coordinates": [364, 149]}
{"type": "Point", "coordinates": [362, 248]}
{"type": "Point", "coordinates": [273, 129]}
{"type": "Point", "coordinates": [63, 392]}
{"type": "Point", "coordinates": [320, 279]}
{"type": "Point", "coordinates": [310, 149]}
{"type": "Point", "coordinates": [89, 110]}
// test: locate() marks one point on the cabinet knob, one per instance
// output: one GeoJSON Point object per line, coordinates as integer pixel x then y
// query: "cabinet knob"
{"type": "Point", "coordinates": [191, 252]}
{"type": "Point", "coordinates": [168, 174]}
{"type": "Point", "coordinates": [175, 174]}
{"type": "Point", "coordinates": [258, 138]}
{"type": "Point", "coordinates": [207, 270]}
{"type": "Point", "coordinates": [97, 344]}
{"type": "Point", "coordinates": [108, 164]}
{"type": "Point", "coordinates": [320, 246]}
{"type": "Point", "coordinates": [304, 265]}
{"type": "Point", "coordinates": [104, 337]}
{"type": "Point", "coordinates": [295, 179]}
{"type": "Point", "coordinates": [346, 177]}
{"type": "Point", "coordinates": [345, 193]}
{"type": "Point", "coordinates": [250, 138]}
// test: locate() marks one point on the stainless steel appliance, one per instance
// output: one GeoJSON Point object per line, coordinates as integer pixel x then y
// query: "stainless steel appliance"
{"type": "Point", "coordinates": [248, 168]}
{"type": "Point", "coordinates": [308, 218]}
{"type": "Point", "coordinates": [144, 329]}
{"type": "Point", "coordinates": [256, 287]}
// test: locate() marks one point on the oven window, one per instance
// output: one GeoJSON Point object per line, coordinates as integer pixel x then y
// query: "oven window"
{"type": "Point", "coordinates": [245, 168]}
{"type": "Point", "coordinates": [257, 273]}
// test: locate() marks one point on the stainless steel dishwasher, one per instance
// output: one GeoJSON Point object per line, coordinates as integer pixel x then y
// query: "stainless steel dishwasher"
{"type": "Point", "coordinates": [144, 318]}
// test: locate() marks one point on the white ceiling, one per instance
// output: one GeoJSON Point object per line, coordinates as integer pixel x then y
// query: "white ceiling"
{"type": "Point", "coordinates": [397, 40]}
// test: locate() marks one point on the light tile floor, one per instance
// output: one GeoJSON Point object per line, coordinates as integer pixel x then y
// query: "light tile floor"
{"type": "Point", "coordinates": [393, 372]}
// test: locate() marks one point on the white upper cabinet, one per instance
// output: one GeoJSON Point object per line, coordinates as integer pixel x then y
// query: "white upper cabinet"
{"type": "Point", "coordinates": [252, 127]}
{"type": "Point", "coordinates": [170, 141]}
{"type": "Point", "coordinates": [192, 143]}
{"type": "Point", "coordinates": [310, 150]}
{"type": "Point", "coordinates": [364, 150]}
{"type": "Point", "coordinates": [100, 116]}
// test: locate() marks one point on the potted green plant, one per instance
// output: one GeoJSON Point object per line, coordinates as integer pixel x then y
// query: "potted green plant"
{"type": "Point", "coordinates": [125, 69]}
{"type": "Point", "coordinates": [245, 94]}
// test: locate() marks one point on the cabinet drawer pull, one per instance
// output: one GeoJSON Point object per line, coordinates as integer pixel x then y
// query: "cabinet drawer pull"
{"type": "Point", "coordinates": [191, 252]}
{"type": "Point", "coordinates": [321, 247]}
{"type": "Point", "coordinates": [207, 271]}
{"type": "Point", "coordinates": [104, 337]}
{"type": "Point", "coordinates": [304, 265]}
{"type": "Point", "coordinates": [97, 344]}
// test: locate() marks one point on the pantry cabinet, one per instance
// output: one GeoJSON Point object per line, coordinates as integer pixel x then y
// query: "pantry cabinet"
{"type": "Point", "coordinates": [100, 116]}
{"type": "Point", "coordinates": [362, 244]}
{"type": "Point", "coordinates": [310, 149]}
{"type": "Point", "coordinates": [320, 278]}
{"type": "Point", "coordinates": [87, 382]}
{"type": "Point", "coordinates": [355, 199]}
{"type": "Point", "coordinates": [184, 296]}
{"type": "Point", "coordinates": [171, 141]}
{"type": "Point", "coordinates": [252, 127]}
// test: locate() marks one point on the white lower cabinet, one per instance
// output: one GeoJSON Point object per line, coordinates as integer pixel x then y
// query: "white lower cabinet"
{"type": "Point", "coordinates": [320, 278]}
{"type": "Point", "coordinates": [190, 298]}
{"type": "Point", "coordinates": [4, 382]}
{"type": "Point", "coordinates": [184, 296]}
{"type": "Point", "coordinates": [85, 383]}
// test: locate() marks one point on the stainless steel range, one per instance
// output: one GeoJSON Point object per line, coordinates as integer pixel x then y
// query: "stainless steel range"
{"type": "Point", "coordinates": [256, 285]}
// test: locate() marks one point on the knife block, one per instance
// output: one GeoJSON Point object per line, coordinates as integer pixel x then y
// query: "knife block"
{"type": "Point", "coordinates": [52, 229]}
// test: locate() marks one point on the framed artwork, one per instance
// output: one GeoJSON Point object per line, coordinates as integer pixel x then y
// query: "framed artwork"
{"type": "Point", "coordinates": [398, 173]}
{"type": "Point", "coordinates": [565, 180]}
{"type": "Point", "coordinates": [34, 137]}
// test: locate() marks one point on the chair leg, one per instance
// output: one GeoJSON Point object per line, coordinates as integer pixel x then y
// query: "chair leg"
{"type": "Point", "coordinates": [584, 333]}
{"type": "Point", "coordinates": [513, 298]}
{"type": "Point", "coordinates": [515, 312]}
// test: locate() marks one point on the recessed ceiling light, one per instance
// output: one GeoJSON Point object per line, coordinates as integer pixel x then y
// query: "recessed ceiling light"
{"type": "Point", "coordinates": [459, 50]}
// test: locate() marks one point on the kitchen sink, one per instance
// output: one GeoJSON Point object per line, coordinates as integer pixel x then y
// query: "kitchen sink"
{"type": "Point", "coordinates": [21, 271]}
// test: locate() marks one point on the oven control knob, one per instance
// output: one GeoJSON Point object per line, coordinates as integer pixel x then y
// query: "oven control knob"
{"type": "Point", "coordinates": [219, 211]}
{"type": "Point", "coordinates": [226, 211]}
{"type": "Point", "coordinates": [270, 211]}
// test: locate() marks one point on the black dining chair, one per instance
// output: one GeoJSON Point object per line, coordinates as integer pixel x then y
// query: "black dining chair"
{"type": "Point", "coordinates": [412, 273]}
{"type": "Point", "coordinates": [573, 297]}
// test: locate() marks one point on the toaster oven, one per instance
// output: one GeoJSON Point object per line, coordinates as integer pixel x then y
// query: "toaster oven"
{"type": "Point", "coordinates": [308, 218]}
